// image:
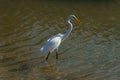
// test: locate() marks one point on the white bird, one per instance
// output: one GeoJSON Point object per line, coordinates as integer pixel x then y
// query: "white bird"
{"type": "Point", "coordinates": [54, 42]}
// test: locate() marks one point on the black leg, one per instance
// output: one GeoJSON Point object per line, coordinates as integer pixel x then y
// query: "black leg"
{"type": "Point", "coordinates": [56, 54]}
{"type": "Point", "coordinates": [47, 56]}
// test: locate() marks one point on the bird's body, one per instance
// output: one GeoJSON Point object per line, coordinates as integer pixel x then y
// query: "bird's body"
{"type": "Point", "coordinates": [54, 42]}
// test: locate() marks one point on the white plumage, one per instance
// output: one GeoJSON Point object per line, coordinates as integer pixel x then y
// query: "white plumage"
{"type": "Point", "coordinates": [54, 42]}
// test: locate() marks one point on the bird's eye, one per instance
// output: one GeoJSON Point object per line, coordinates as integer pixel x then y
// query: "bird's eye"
{"type": "Point", "coordinates": [73, 17]}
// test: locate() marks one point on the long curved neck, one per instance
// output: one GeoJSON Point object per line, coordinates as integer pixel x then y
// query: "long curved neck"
{"type": "Point", "coordinates": [70, 27]}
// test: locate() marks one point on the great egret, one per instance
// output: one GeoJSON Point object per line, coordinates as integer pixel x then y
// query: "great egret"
{"type": "Point", "coordinates": [54, 42]}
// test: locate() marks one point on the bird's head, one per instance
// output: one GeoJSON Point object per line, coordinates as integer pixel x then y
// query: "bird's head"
{"type": "Point", "coordinates": [73, 17]}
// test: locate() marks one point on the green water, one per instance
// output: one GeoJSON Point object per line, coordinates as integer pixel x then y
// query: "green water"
{"type": "Point", "coordinates": [92, 51]}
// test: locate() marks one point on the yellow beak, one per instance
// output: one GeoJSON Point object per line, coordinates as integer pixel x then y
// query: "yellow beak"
{"type": "Point", "coordinates": [77, 20]}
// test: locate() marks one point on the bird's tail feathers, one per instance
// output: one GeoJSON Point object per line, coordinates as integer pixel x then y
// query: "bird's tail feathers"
{"type": "Point", "coordinates": [42, 50]}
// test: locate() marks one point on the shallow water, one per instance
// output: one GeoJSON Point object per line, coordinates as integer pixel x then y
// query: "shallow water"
{"type": "Point", "coordinates": [92, 51]}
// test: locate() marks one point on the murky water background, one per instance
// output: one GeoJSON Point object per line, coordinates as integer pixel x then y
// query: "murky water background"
{"type": "Point", "coordinates": [92, 51]}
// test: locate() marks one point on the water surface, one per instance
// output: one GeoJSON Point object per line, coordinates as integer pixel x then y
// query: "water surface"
{"type": "Point", "coordinates": [92, 51]}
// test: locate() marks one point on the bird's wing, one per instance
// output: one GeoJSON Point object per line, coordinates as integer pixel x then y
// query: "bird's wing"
{"type": "Point", "coordinates": [59, 34]}
{"type": "Point", "coordinates": [47, 47]}
{"type": "Point", "coordinates": [51, 44]}
{"type": "Point", "coordinates": [50, 38]}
